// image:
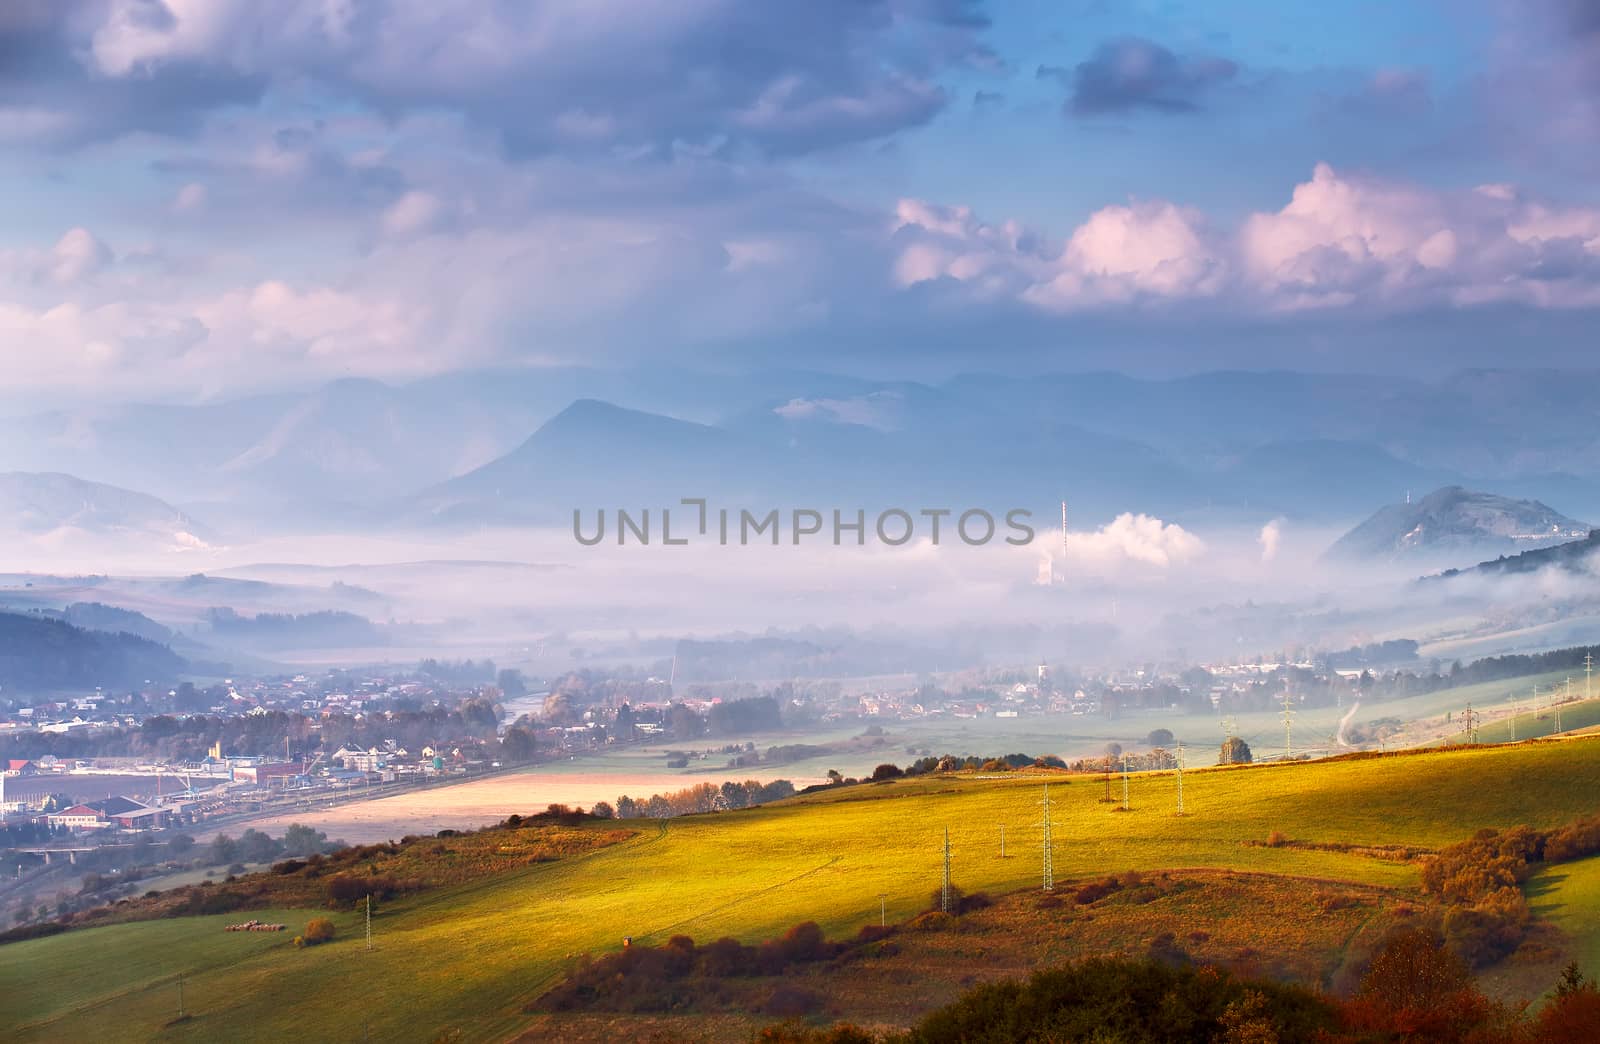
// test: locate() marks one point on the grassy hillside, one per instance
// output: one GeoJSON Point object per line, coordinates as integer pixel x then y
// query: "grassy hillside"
{"type": "Point", "coordinates": [466, 957]}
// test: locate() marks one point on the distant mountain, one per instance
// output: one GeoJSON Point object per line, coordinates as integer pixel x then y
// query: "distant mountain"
{"type": "Point", "coordinates": [1225, 446]}
{"type": "Point", "coordinates": [1452, 520]}
{"type": "Point", "coordinates": [36, 504]}
{"type": "Point", "coordinates": [44, 655]}
{"type": "Point", "coordinates": [591, 455]}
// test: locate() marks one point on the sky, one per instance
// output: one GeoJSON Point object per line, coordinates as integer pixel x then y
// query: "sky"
{"type": "Point", "coordinates": [210, 197]}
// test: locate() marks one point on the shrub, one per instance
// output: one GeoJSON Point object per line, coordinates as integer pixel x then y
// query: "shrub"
{"type": "Point", "coordinates": [1276, 839]}
{"type": "Point", "coordinates": [1094, 891]}
{"type": "Point", "coordinates": [318, 930]}
{"type": "Point", "coordinates": [791, 1001]}
{"type": "Point", "coordinates": [1107, 999]}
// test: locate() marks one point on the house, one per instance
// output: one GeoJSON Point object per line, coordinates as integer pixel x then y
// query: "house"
{"type": "Point", "coordinates": [19, 767]}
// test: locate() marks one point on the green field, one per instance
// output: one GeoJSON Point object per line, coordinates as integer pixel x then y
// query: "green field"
{"type": "Point", "coordinates": [1568, 896]}
{"type": "Point", "coordinates": [467, 957]}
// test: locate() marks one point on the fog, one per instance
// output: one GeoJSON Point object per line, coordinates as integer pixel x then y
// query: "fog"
{"type": "Point", "coordinates": [1135, 590]}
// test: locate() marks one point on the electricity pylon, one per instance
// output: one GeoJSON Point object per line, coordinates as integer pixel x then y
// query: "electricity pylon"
{"type": "Point", "coordinates": [1049, 863]}
{"type": "Point", "coordinates": [944, 893]}
{"type": "Point", "coordinates": [1180, 777]}
{"type": "Point", "coordinates": [1288, 728]}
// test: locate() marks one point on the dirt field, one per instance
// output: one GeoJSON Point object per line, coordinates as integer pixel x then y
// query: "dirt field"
{"type": "Point", "coordinates": [463, 807]}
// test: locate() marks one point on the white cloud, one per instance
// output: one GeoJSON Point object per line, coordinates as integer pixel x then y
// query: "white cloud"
{"type": "Point", "coordinates": [77, 255]}
{"type": "Point", "coordinates": [1271, 539]}
{"type": "Point", "coordinates": [1341, 242]}
{"type": "Point", "coordinates": [1137, 538]}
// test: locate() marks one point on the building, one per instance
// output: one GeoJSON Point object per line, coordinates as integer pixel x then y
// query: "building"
{"type": "Point", "coordinates": [269, 774]}
{"type": "Point", "coordinates": [78, 818]}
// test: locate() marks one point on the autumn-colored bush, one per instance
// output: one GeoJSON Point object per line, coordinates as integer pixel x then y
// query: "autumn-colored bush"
{"type": "Point", "coordinates": [1094, 891]}
{"type": "Point", "coordinates": [318, 930]}
{"type": "Point", "coordinates": [1418, 990]}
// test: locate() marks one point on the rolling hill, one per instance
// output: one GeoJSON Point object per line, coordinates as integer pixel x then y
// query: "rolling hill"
{"type": "Point", "coordinates": [37, 504]}
{"type": "Point", "coordinates": [44, 655]}
{"type": "Point", "coordinates": [465, 959]}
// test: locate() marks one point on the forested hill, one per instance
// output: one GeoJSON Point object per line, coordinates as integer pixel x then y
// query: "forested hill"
{"type": "Point", "coordinates": [1574, 556]}
{"type": "Point", "coordinates": [38, 654]}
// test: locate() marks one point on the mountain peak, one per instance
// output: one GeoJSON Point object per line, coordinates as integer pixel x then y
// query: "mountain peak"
{"type": "Point", "coordinates": [1454, 518]}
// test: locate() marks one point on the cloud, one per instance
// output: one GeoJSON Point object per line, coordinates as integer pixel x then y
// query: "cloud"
{"type": "Point", "coordinates": [606, 74]}
{"type": "Point", "coordinates": [1131, 73]}
{"type": "Point", "coordinates": [1347, 239]}
{"type": "Point", "coordinates": [1271, 539]}
{"type": "Point", "coordinates": [1136, 538]}
{"type": "Point", "coordinates": [1343, 242]}
{"type": "Point", "coordinates": [879, 410]}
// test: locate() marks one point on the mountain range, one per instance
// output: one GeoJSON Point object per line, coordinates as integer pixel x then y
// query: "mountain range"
{"type": "Point", "coordinates": [530, 445]}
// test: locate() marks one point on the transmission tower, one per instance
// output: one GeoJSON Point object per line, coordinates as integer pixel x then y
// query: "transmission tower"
{"type": "Point", "coordinates": [944, 893]}
{"type": "Point", "coordinates": [1472, 725]}
{"type": "Point", "coordinates": [1514, 709]}
{"type": "Point", "coordinates": [1288, 728]}
{"type": "Point", "coordinates": [1588, 669]}
{"type": "Point", "coordinates": [1049, 866]}
{"type": "Point", "coordinates": [1180, 777]}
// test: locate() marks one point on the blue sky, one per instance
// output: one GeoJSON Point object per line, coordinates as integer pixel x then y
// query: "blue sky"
{"type": "Point", "coordinates": [211, 196]}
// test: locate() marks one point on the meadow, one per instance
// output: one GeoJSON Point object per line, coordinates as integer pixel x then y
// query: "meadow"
{"type": "Point", "coordinates": [463, 959]}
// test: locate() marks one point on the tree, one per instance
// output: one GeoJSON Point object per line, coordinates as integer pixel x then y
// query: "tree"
{"type": "Point", "coordinates": [1159, 738]}
{"type": "Point", "coordinates": [519, 744]}
{"type": "Point", "coordinates": [887, 770]}
{"type": "Point", "coordinates": [511, 682]}
{"type": "Point", "coordinates": [299, 839]}
{"type": "Point", "coordinates": [1414, 971]}
{"type": "Point", "coordinates": [222, 850]}
{"type": "Point", "coordinates": [558, 709]}
{"type": "Point", "coordinates": [1235, 752]}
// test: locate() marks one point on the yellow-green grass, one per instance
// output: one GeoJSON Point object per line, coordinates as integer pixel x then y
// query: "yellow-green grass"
{"type": "Point", "coordinates": [467, 957]}
{"type": "Point", "coordinates": [1568, 896]}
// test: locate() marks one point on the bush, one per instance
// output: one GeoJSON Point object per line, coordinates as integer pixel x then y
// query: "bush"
{"type": "Point", "coordinates": [1094, 891]}
{"type": "Point", "coordinates": [1106, 999]}
{"type": "Point", "coordinates": [1276, 839]}
{"type": "Point", "coordinates": [791, 1001]}
{"type": "Point", "coordinates": [318, 930]}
